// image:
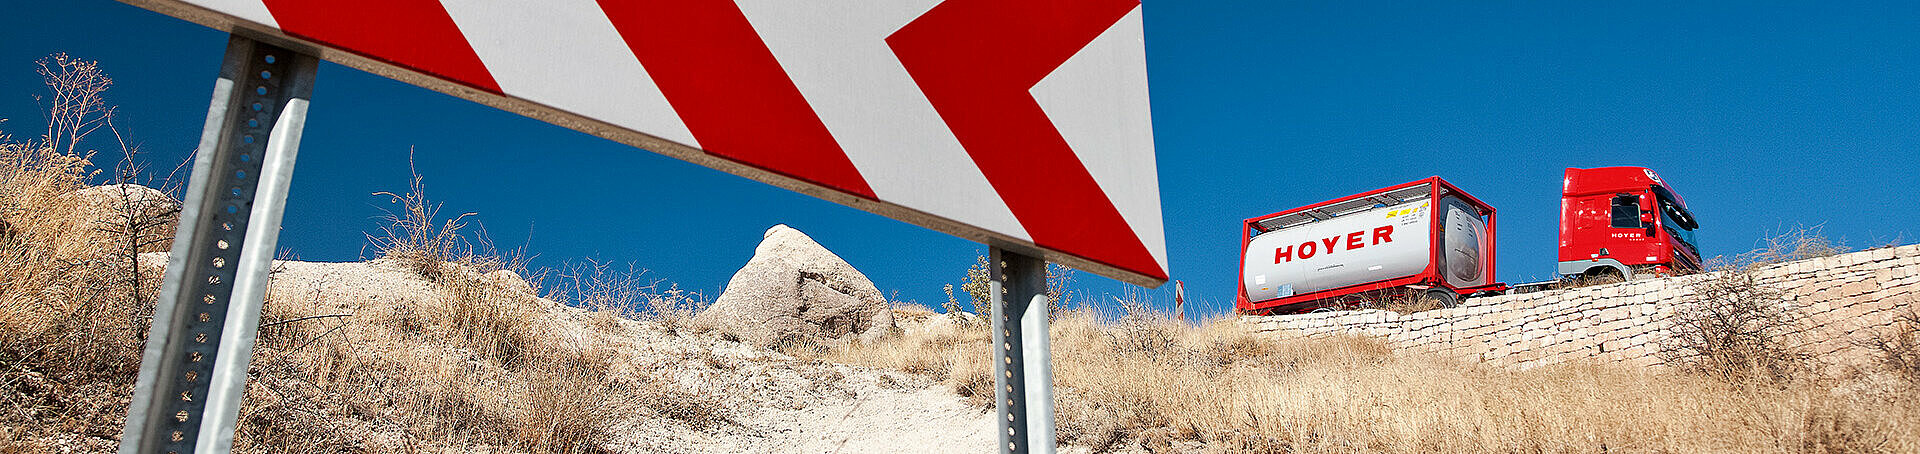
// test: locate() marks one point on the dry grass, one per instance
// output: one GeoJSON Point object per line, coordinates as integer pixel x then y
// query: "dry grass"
{"type": "Point", "coordinates": [473, 362]}
{"type": "Point", "coordinates": [1586, 280]}
{"type": "Point", "coordinates": [484, 364]}
{"type": "Point", "coordinates": [73, 308]}
{"type": "Point", "coordinates": [1402, 301]}
{"type": "Point", "coordinates": [1897, 347]}
{"type": "Point", "coordinates": [1140, 380]}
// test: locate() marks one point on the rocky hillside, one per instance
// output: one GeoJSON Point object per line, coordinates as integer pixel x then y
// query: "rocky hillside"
{"type": "Point", "coordinates": [558, 378]}
{"type": "Point", "coordinates": [405, 355]}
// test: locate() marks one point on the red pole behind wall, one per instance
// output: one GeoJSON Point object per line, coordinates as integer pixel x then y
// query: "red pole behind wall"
{"type": "Point", "coordinates": [1180, 300]}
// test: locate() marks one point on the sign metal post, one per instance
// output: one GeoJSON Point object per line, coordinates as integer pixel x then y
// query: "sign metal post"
{"type": "Point", "coordinates": [194, 368]}
{"type": "Point", "coordinates": [1022, 358]}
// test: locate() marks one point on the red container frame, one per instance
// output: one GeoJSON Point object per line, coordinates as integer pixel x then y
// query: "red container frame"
{"type": "Point", "coordinates": [1429, 277]}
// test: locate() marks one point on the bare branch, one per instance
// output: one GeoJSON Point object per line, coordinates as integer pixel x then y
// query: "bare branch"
{"type": "Point", "coordinates": [310, 317]}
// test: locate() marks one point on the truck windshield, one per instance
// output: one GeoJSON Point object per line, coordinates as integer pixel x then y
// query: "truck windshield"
{"type": "Point", "coordinates": [1675, 219]}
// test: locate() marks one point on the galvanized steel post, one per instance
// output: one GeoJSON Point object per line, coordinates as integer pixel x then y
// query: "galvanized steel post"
{"type": "Point", "coordinates": [194, 368]}
{"type": "Point", "coordinates": [1022, 355]}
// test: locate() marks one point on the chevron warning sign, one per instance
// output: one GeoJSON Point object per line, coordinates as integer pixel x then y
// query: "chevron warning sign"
{"type": "Point", "coordinates": [1019, 123]}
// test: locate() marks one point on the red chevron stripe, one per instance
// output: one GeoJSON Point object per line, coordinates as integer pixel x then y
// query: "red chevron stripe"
{"type": "Point", "coordinates": [730, 91]}
{"type": "Point", "coordinates": [414, 34]}
{"type": "Point", "coordinates": [976, 61]}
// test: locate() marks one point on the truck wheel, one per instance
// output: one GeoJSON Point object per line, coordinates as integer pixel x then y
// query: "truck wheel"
{"type": "Point", "coordinates": [1604, 275]}
{"type": "Point", "coordinates": [1444, 298]}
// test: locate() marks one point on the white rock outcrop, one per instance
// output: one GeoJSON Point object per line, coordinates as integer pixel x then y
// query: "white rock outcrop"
{"type": "Point", "coordinates": [793, 288]}
{"type": "Point", "coordinates": [104, 213]}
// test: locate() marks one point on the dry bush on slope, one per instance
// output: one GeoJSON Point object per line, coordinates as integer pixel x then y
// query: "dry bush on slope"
{"type": "Point", "coordinates": [1731, 327]}
{"type": "Point", "coordinates": [74, 302]}
{"type": "Point", "coordinates": [975, 283]}
{"type": "Point", "coordinates": [1795, 244]}
{"type": "Point", "coordinates": [71, 326]}
{"type": "Point", "coordinates": [1734, 329]}
{"type": "Point", "coordinates": [487, 303]}
{"type": "Point", "coordinates": [617, 293]}
{"type": "Point", "coordinates": [949, 351]}
{"type": "Point", "coordinates": [1898, 347]}
{"type": "Point", "coordinates": [1143, 382]}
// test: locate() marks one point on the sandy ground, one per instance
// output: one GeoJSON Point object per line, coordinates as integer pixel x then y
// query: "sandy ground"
{"type": "Point", "coordinates": [914, 418]}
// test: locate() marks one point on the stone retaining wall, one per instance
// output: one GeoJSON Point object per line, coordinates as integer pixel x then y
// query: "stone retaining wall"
{"type": "Point", "coordinates": [1843, 298]}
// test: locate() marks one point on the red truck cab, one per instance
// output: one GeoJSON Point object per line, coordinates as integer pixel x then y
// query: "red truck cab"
{"type": "Point", "coordinates": [1624, 223]}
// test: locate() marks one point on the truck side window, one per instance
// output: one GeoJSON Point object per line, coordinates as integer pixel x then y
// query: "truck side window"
{"type": "Point", "coordinates": [1626, 211]}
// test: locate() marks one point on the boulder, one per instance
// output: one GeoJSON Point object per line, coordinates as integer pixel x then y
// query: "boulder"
{"type": "Point", "coordinates": [795, 289]}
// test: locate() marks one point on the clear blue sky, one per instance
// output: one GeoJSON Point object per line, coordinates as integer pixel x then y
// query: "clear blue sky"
{"type": "Point", "coordinates": [1764, 116]}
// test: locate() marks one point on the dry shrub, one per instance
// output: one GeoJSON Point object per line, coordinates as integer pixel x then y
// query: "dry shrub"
{"type": "Point", "coordinates": [613, 294]}
{"type": "Point", "coordinates": [1137, 382]}
{"type": "Point", "coordinates": [1398, 300]}
{"type": "Point", "coordinates": [1587, 280]}
{"type": "Point", "coordinates": [911, 312]}
{"type": "Point", "coordinates": [944, 348]}
{"type": "Point", "coordinates": [798, 345]}
{"type": "Point", "coordinates": [1142, 330]}
{"type": "Point", "coordinates": [1797, 243]}
{"type": "Point", "coordinates": [74, 301]}
{"type": "Point", "coordinates": [623, 293]}
{"type": "Point", "coordinates": [1408, 301]}
{"type": "Point", "coordinates": [1733, 328]}
{"type": "Point", "coordinates": [699, 411]}
{"type": "Point", "coordinates": [570, 409]}
{"type": "Point", "coordinates": [76, 101]}
{"type": "Point", "coordinates": [1897, 347]}
{"type": "Point", "coordinates": [977, 284]}
{"type": "Point", "coordinates": [488, 304]}
{"type": "Point", "coordinates": [417, 236]}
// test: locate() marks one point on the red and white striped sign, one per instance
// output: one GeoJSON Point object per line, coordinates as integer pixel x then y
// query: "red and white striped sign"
{"type": "Point", "coordinates": [1022, 123]}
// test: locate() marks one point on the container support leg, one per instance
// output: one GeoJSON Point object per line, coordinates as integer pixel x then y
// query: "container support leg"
{"type": "Point", "coordinates": [1022, 357]}
{"type": "Point", "coordinates": [193, 370]}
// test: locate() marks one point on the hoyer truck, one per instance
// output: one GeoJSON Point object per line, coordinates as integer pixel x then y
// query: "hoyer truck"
{"type": "Point", "coordinates": [1429, 239]}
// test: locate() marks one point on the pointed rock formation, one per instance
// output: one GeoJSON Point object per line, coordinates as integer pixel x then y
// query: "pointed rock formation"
{"type": "Point", "coordinates": [795, 289]}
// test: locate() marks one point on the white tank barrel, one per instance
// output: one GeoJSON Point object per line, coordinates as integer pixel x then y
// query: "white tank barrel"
{"type": "Point", "coordinates": [1366, 246]}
